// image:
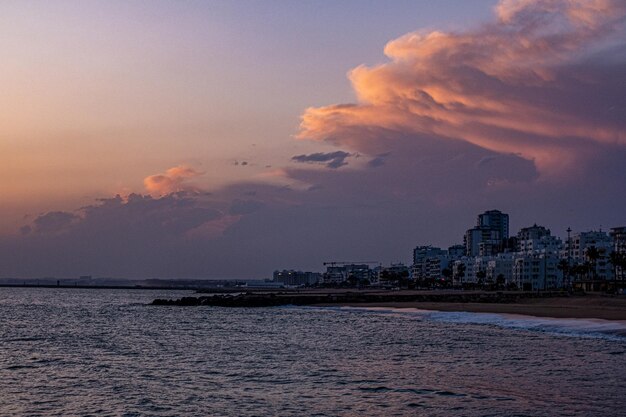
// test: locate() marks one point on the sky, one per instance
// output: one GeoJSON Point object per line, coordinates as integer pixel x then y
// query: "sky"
{"type": "Point", "coordinates": [220, 139]}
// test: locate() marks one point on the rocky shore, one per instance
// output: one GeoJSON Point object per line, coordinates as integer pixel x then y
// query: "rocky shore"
{"type": "Point", "coordinates": [543, 304]}
{"type": "Point", "coordinates": [353, 298]}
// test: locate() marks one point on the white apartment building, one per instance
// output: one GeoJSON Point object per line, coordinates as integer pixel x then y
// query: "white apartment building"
{"type": "Point", "coordinates": [619, 246]}
{"type": "Point", "coordinates": [428, 262]}
{"type": "Point", "coordinates": [537, 271]}
{"type": "Point", "coordinates": [579, 247]}
{"type": "Point", "coordinates": [501, 265]}
{"type": "Point", "coordinates": [537, 239]}
{"type": "Point", "coordinates": [469, 273]}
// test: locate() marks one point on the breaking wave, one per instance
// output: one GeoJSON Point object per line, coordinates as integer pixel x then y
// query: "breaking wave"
{"type": "Point", "coordinates": [575, 327]}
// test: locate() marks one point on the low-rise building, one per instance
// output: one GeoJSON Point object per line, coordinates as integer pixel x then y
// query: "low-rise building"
{"type": "Point", "coordinates": [395, 275]}
{"type": "Point", "coordinates": [463, 271]}
{"type": "Point", "coordinates": [428, 262]}
{"type": "Point", "coordinates": [537, 271]}
{"type": "Point", "coordinates": [500, 269]}
{"type": "Point", "coordinates": [537, 239]}
{"type": "Point", "coordinates": [618, 234]}
{"type": "Point", "coordinates": [351, 273]}
{"type": "Point", "coordinates": [297, 278]}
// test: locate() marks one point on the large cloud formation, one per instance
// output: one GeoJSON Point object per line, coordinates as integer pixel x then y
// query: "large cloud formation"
{"type": "Point", "coordinates": [526, 114]}
{"type": "Point", "coordinates": [546, 81]}
{"type": "Point", "coordinates": [135, 236]}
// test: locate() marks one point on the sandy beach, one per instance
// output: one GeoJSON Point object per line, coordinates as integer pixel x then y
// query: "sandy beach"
{"type": "Point", "coordinates": [588, 307]}
{"type": "Point", "coordinates": [555, 304]}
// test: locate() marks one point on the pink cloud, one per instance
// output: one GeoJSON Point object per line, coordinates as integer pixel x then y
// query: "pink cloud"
{"type": "Point", "coordinates": [532, 83]}
{"type": "Point", "coordinates": [173, 180]}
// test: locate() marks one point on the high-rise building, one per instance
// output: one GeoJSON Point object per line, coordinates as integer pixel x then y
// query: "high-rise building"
{"type": "Point", "coordinates": [482, 241]}
{"type": "Point", "coordinates": [490, 235]}
{"type": "Point", "coordinates": [495, 220]}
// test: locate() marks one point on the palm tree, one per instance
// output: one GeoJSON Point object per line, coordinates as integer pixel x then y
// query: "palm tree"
{"type": "Point", "coordinates": [480, 277]}
{"type": "Point", "coordinates": [460, 273]}
{"type": "Point", "coordinates": [592, 254]}
{"type": "Point", "coordinates": [579, 271]}
{"type": "Point", "coordinates": [621, 262]}
{"type": "Point", "coordinates": [563, 265]}
{"type": "Point", "coordinates": [618, 260]}
{"type": "Point", "coordinates": [614, 259]}
{"type": "Point", "coordinates": [447, 275]}
{"type": "Point", "coordinates": [500, 280]}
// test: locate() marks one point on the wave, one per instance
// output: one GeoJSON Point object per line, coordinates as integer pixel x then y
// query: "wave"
{"type": "Point", "coordinates": [575, 327]}
{"type": "Point", "coordinates": [568, 327]}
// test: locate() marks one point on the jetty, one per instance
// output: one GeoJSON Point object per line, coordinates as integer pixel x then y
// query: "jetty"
{"type": "Point", "coordinates": [270, 299]}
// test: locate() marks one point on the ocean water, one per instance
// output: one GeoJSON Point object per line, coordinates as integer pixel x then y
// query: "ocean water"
{"type": "Point", "coordinates": [75, 352]}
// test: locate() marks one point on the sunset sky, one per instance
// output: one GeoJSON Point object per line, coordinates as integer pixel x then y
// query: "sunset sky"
{"type": "Point", "coordinates": [226, 139]}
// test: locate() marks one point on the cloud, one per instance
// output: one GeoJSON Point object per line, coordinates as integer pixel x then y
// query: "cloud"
{"type": "Point", "coordinates": [333, 160]}
{"type": "Point", "coordinates": [454, 124]}
{"type": "Point", "coordinates": [248, 229]}
{"type": "Point", "coordinates": [546, 81]}
{"type": "Point", "coordinates": [52, 223]}
{"type": "Point", "coordinates": [173, 180]}
{"type": "Point", "coordinates": [377, 161]}
{"type": "Point", "coordinates": [135, 236]}
{"type": "Point", "coordinates": [240, 207]}
{"type": "Point", "coordinates": [138, 215]}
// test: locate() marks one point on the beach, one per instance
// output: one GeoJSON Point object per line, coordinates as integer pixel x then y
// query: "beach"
{"type": "Point", "coordinates": [540, 304]}
{"type": "Point", "coordinates": [584, 306]}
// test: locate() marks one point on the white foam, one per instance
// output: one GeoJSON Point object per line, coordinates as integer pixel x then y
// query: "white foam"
{"type": "Point", "coordinates": [612, 329]}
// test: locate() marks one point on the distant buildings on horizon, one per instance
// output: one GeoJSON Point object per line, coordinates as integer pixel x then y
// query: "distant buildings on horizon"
{"type": "Point", "coordinates": [489, 257]}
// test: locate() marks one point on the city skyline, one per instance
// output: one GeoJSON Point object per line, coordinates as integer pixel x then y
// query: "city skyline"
{"type": "Point", "coordinates": [533, 258]}
{"type": "Point", "coordinates": [224, 140]}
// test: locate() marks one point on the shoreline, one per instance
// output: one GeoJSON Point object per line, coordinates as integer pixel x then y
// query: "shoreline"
{"type": "Point", "coordinates": [548, 304]}
{"type": "Point", "coordinates": [585, 307]}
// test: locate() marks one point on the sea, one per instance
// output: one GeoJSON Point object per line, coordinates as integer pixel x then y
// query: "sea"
{"type": "Point", "coordinates": [88, 352]}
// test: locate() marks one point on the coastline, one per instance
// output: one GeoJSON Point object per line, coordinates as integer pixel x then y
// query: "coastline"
{"type": "Point", "coordinates": [584, 307]}
{"type": "Point", "coordinates": [548, 304]}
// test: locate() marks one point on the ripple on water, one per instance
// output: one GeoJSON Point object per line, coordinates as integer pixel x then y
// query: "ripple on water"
{"type": "Point", "coordinates": [114, 355]}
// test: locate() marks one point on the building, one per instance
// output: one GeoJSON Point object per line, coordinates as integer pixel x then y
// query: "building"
{"type": "Point", "coordinates": [582, 241]}
{"type": "Point", "coordinates": [482, 241]}
{"type": "Point", "coordinates": [618, 234]}
{"type": "Point", "coordinates": [456, 251]}
{"type": "Point", "coordinates": [463, 272]}
{"type": "Point", "coordinates": [297, 278]}
{"type": "Point", "coordinates": [350, 273]}
{"type": "Point", "coordinates": [537, 271]}
{"type": "Point", "coordinates": [537, 239]}
{"type": "Point", "coordinates": [393, 275]}
{"type": "Point", "coordinates": [500, 269]}
{"type": "Point", "coordinates": [428, 261]}
{"type": "Point", "coordinates": [480, 269]}
{"type": "Point", "coordinates": [495, 220]}
{"type": "Point", "coordinates": [420, 253]}
{"type": "Point", "coordinates": [489, 236]}
{"type": "Point", "coordinates": [589, 253]}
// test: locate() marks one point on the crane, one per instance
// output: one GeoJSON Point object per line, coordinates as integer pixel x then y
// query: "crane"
{"type": "Point", "coordinates": [335, 263]}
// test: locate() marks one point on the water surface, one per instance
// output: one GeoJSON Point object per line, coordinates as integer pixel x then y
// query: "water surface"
{"type": "Point", "coordinates": [71, 352]}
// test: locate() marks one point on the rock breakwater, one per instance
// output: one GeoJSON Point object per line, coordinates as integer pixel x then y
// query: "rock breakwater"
{"type": "Point", "coordinates": [300, 299]}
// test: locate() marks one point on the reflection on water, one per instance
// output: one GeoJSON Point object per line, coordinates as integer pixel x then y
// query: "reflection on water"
{"type": "Point", "coordinates": [87, 352]}
{"type": "Point", "coordinates": [594, 328]}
